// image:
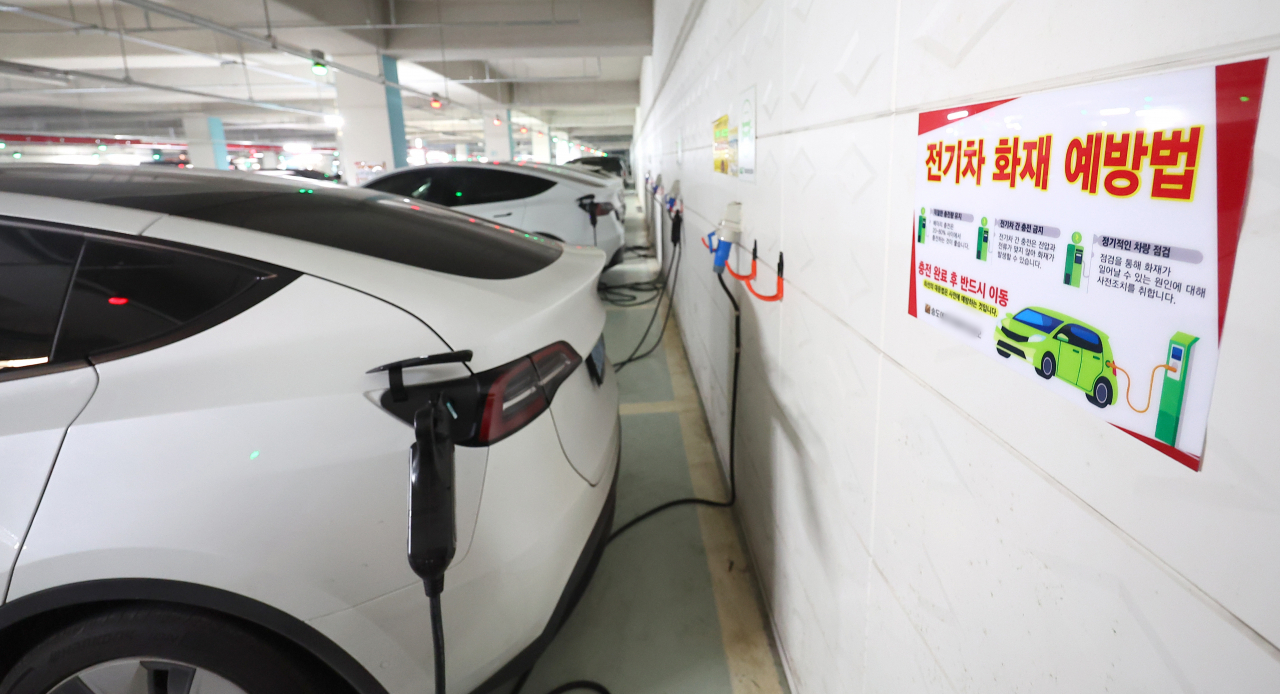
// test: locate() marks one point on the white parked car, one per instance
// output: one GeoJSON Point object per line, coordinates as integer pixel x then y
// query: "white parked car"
{"type": "Point", "coordinates": [203, 487]}
{"type": "Point", "coordinates": [614, 166]}
{"type": "Point", "coordinates": [573, 205]}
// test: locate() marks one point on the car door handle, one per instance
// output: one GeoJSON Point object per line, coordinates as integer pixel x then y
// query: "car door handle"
{"type": "Point", "coordinates": [1097, 358]}
{"type": "Point", "coordinates": [504, 214]}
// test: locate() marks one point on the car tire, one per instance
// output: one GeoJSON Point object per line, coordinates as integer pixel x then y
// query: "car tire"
{"type": "Point", "coordinates": [1048, 365]}
{"type": "Point", "coordinates": [166, 643]}
{"type": "Point", "coordinates": [1002, 353]}
{"type": "Point", "coordinates": [1101, 393]}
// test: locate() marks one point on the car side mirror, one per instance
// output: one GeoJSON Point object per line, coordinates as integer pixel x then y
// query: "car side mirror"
{"type": "Point", "coordinates": [1061, 337]}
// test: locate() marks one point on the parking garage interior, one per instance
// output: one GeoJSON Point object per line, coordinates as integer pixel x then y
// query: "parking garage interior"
{"type": "Point", "coordinates": [583, 345]}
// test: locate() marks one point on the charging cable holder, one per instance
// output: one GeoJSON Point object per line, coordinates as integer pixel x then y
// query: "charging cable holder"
{"type": "Point", "coordinates": [777, 294]}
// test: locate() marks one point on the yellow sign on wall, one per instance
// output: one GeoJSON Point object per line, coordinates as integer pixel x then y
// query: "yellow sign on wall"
{"type": "Point", "coordinates": [722, 151]}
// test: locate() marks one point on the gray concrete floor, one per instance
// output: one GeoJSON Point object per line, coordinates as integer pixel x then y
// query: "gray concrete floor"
{"type": "Point", "coordinates": [673, 607]}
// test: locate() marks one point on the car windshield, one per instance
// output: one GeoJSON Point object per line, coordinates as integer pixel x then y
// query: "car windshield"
{"type": "Point", "coordinates": [1037, 320]}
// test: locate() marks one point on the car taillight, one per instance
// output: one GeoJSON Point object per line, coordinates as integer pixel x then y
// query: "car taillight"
{"type": "Point", "coordinates": [521, 390]}
{"type": "Point", "coordinates": [603, 208]}
{"type": "Point", "coordinates": [494, 404]}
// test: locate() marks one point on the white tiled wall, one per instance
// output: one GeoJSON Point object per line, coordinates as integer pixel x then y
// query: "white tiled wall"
{"type": "Point", "coordinates": [914, 530]}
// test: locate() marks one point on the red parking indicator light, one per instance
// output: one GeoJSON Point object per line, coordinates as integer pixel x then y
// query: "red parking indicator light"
{"type": "Point", "coordinates": [118, 301]}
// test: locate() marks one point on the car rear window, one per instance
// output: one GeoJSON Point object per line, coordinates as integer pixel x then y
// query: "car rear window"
{"type": "Point", "coordinates": [1037, 320]}
{"type": "Point", "coordinates": [352, 219]}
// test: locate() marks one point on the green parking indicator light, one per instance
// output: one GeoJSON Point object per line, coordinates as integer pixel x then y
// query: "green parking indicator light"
{"type": "Point", "coordinates": [1075, 261]}
{"type": "Point", "coordinates": [921, 227]}
{"type": "Point", "coordinates": [1174, 389]}
{"type": "Point", "coordinates": [984, 238]}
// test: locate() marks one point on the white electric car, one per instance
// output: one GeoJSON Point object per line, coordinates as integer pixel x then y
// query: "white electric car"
{"type": "Point", "coordinates": [203, 488]}
{"type": "Point", "coordinates": [573, 205]}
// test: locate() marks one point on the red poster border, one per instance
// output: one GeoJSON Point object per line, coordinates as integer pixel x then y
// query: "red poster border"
{"type": "Point", "coordinates": [1239, 97]}
{"type": "Point", "coordinates": [1238, 92]}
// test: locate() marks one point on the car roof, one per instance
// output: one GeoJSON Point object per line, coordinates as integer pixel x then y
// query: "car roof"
{"type": "Point", "coordinates": [549, 171]}
{"type": "Point", "coordinates": [1064, 318]}
{"type": "Point", "coordinates": [353, 219]}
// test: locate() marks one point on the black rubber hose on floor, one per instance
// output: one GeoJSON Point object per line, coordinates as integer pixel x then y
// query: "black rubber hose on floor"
{"type": "Point", "coordinates": [588, 685]}
{"type": "Point", "coordinates": [733, 426]}
{"type": "Point", "coordinates": [635, 355]}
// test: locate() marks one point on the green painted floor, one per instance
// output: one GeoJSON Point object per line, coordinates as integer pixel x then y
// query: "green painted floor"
{"type": "Point", "coordinates": [647, 622]}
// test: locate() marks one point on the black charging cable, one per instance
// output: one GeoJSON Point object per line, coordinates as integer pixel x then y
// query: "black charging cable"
{"type": "Point", "coordinates": [669, 284]}
{"type": "Point", "coordinates": [437, 639]}
{"type": "Point", "coordinates": [596, 687]}
{"type": "Point", "coordinates": [733, 427]}
{"type": "Point", "coordinates": [630, 294]}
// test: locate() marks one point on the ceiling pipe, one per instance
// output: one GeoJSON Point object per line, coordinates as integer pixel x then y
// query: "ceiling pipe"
{"type": "Point", "coordinates": [78, 27]}
{"type": "Point", "coordinates": [36, 72]}
{"type": "Point", "coordinates": [272, 43]}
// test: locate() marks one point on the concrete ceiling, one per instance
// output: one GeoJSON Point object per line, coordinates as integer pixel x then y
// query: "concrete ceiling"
{"type": "Point", "coordinates": [135, 67]}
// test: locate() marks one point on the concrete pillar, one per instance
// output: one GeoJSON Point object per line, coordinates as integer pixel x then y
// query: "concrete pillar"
{"type": "Point", "coordinates": [561, 147]}
{"type": "Point", "coordinates": [371, 139]}
{"type": "Point", "coordinates": [499, 145]}
{"type": "Point", "coordinates": [542, 143]}
{"type": "Point", "coordinates": [206, 142]}
{"type": "Point", "coordinates": [460, 152]}
{"type": "Point", "coordinates": [270, 159]}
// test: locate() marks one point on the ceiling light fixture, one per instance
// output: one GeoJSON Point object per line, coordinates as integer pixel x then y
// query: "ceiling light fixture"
{"type": "Point", "coordinates": [318, 64]}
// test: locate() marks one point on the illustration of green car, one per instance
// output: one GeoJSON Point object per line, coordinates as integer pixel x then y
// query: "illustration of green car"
{"type": "Point", "coordinates": [1059, 345]}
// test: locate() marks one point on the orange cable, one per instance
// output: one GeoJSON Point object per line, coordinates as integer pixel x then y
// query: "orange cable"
{"type": "Point", "coordinates": [1150, 388]}
{"type": "Point", "coordinates": [744, 278]}
{"type": "Point", "coordinates": [777, 296]}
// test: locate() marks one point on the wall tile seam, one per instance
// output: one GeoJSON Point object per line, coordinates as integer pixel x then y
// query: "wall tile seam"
{"type": "Point", "coordinates": [1221, 610]}
{"type": "Point", "coordinates": [1244, 49]}
{"type": "Point", "coordinates": [720, 49]}
{"type": "Point", "coordinates": [1191, 587]}
{"type": "Point", "coordinates": [687, 27]}
{"type": "Point", "coordinates": [742, 526]}
{"type": "Point", "coordinates": [1142, 550]}
{"type": "Point", "coordinates": [1155, 66]}
{"type": "Point", "coordinates": [924, 641]}
{"type": "Point", "coordinates": [750, 549]}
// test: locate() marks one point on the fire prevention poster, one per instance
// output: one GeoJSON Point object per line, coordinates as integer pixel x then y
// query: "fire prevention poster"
{"type": "Point", "coordinates": [1086, 238]}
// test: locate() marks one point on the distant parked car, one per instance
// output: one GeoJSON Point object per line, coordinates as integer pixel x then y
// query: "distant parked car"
{"type": "Point", "coordinates": [577, 207]}
{"type": "Point", "coordinates": [610, 165]}
{"type": "Point", "coordinates": [302, 173]}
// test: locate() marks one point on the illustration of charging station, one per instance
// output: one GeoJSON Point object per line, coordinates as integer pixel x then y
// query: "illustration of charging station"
{"type": "Point", "coordinates": [1173, 390]}
{"type": "Point", "coordinates": [1075, 261]}
{"type": "Point", "coordinates": [921, 229]}
{"type": "Point", "coordinates": [984, 239]}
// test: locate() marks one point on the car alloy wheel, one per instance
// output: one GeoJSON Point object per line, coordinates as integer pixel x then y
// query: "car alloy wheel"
{"type": "Point", "coordinates": [1047, 366]}
{"type": "Point", "coordinates": [160, 649]}
{"type": "Point", "coordinates": [145, 676]}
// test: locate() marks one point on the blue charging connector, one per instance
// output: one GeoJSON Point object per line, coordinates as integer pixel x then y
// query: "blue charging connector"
{"type": "Point", "coordinates": [728, 233]}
